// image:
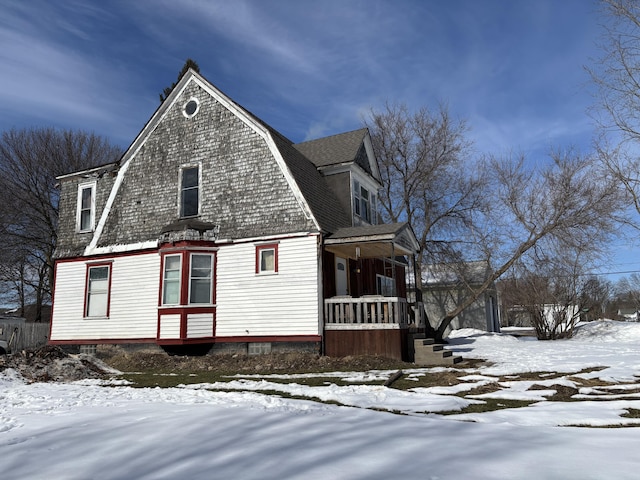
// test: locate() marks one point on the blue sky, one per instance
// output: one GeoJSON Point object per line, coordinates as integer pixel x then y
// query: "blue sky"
{"type": "Point", "coordinates": [513, 69]}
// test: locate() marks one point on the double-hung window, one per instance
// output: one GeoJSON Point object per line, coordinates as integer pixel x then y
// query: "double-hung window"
{"type": "Point", "coordinates": [267, 258]}
{"type": "Point", "coordinates": [365, 213]}
{"type": "Point", "coordinates": [189, 191]}
{"type": "Point", "coordinates": [98, 289]}
{"type": "Point", "coordinates": [86, 206]}
{"type": "Point", "coordinates": [365, 203]}
{"type": "Point", "coordinates": [171, 280]}
{"type": "Point", "coordinates": [201, 279]}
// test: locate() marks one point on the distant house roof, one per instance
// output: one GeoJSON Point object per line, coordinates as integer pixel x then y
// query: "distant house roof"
{"type": "Point", "coordinates": [444, 274]}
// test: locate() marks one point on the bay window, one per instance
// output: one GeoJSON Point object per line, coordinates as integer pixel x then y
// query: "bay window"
{"type": "Point", "coordinates": [200, 279]}
{"type": "Point", "coordinates": [171, 280]}
{"type": "Point", "coordinates": [188, 278]}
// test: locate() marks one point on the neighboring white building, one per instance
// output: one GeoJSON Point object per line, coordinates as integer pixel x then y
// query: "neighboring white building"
{"type": "Point", "coordinates": [444, 287]}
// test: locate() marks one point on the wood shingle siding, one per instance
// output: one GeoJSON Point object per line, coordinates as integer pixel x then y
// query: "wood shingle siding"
{"type": "Point", "coordinates": [70, 243]}
{"type": "Point", "coordinates": [243, 189]}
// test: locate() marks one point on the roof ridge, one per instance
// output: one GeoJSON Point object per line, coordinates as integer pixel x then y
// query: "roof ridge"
{"type": "Point", "coordinates": [333, 135]}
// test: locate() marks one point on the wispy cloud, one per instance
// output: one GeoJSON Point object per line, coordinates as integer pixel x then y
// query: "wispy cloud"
{"type": "Point", "coordinates": [513, 69]}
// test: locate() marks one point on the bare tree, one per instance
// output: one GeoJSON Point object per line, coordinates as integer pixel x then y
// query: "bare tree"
{"type": "Point", "coordinates": [428, 178]}
{"type": "Point", "coordinates": [617, 78]}
{"type": "Point", "coordinates": [561, 203]}
{"type": "Point", "coordinates": [30, 161]}
{"type": "Point", "coordinates": [188, 64]}
{"type": "Point", "coordinates": [499, 212]}
{"type": "Point", "coordinates": [554, 291]}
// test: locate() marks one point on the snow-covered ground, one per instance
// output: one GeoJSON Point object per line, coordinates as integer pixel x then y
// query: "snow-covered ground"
{"type": "Point", "coordinates": [88, 430]}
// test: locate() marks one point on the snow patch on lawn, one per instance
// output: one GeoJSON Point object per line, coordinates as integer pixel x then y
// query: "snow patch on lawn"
{"type": "Point", "coordinates": [91, 429]}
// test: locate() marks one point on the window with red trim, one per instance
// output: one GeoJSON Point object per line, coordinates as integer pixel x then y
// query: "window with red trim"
{"type": "Point", "coordinates": [188, 278]}
{"type": "Point", "coordinates": [267, 258]}
{"type": "Point", "coordinates": [98, 290]}
{"type": "Point", "coordinates": [201, 279]}
{"type": "Point", "coordinates": [171, 280]}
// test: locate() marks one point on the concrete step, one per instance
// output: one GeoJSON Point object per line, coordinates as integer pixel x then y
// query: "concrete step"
{"type": "Point", "coordinates": [434, 355]}
{"type": "Point", "coordinates": [432, 361]}
{"type": "Point", "coordinates": [423, 341]}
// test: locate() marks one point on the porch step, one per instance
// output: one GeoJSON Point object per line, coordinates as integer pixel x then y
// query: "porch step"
{"type": "Point", "coordinates": [443, 357]}
{"type": "Point", "coordinates": [427, 344]}
{"type": "Point", "coordinates": [427, 352]}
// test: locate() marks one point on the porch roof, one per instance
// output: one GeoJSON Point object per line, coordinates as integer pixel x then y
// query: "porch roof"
{"type": "Point", "coordinates": [386, 240]}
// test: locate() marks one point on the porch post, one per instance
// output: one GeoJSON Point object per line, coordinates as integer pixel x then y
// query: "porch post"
{"type": "Point", "coordinates": [393, 269]}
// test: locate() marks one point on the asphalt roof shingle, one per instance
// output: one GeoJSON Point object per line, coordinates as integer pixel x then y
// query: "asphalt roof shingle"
{"type": "Point", "coordinates": [324, 204]}
{"type": "Point", "coordinates": [333, 150]}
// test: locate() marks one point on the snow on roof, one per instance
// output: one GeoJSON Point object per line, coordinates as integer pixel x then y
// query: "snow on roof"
{"type": "Point", "coordinates": [455, 273]}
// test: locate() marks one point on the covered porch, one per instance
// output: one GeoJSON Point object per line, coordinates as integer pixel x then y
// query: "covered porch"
{"type": "Point", "coordinates": [366, 311]}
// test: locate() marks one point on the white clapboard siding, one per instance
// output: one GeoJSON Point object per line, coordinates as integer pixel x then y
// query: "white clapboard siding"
{"type": "Point", "coordinates": [133, 305]}
{"type": "Point", "coordinates": [285, 303]}
{"type": "Point", "coordinates": [199, 325]}
{"type": "Point", "coordinates": [170, 326]}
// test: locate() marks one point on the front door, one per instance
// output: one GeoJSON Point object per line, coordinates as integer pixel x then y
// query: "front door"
{"type": "Point", "coordinates": [341, 276]}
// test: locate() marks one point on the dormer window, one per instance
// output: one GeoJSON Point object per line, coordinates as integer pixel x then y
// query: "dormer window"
{"type": "Point", "coordinates": [86, 207]}
{"type": "Point", "coordinates": [364, 203]}
{"type": "Point", "coordinates": [189, 191]}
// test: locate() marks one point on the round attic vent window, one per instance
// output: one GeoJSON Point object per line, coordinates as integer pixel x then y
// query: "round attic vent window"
{"type": "Point", "coordinates": [191, 108]}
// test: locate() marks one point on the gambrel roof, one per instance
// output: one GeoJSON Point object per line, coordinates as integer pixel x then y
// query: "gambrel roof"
{"type": "Point", "coordinates": [259, 183]}
{"type": "Point", "coordinates": [321, 199]}
{"type": "Point", "coordinates": [262, 184]}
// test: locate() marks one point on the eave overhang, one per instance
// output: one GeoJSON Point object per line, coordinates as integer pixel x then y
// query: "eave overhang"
{"type": "Point", "coordinates": [373, 241]}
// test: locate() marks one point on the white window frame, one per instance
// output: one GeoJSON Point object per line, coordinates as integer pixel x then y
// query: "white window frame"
{"type": "Point", "coordinates": [374, 209]}
{"type": "Point", "coordinates": [210, 277]}
{"type": "Point", "coordinates": [164, 278]}
{"type": "Point", "coordinates": [365, 207]}
{"type": "Point", "coordinates": [92, 208]}
{"type": "Point", "coordinates": [356, 198]}
{"type": "Point", "coordinates": [184, 107]}
{"type": "Point", "coordinates": [180, 189]}
{"type": "Point", "coordinates": [260, 250]}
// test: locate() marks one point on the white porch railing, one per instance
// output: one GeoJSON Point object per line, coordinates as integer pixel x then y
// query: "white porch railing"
{"type": "Point", "coordinates": [373, 309]}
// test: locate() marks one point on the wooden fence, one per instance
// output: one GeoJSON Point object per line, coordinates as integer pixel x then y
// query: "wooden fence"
{"type": "Point", "coordinates": [22, 335]}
